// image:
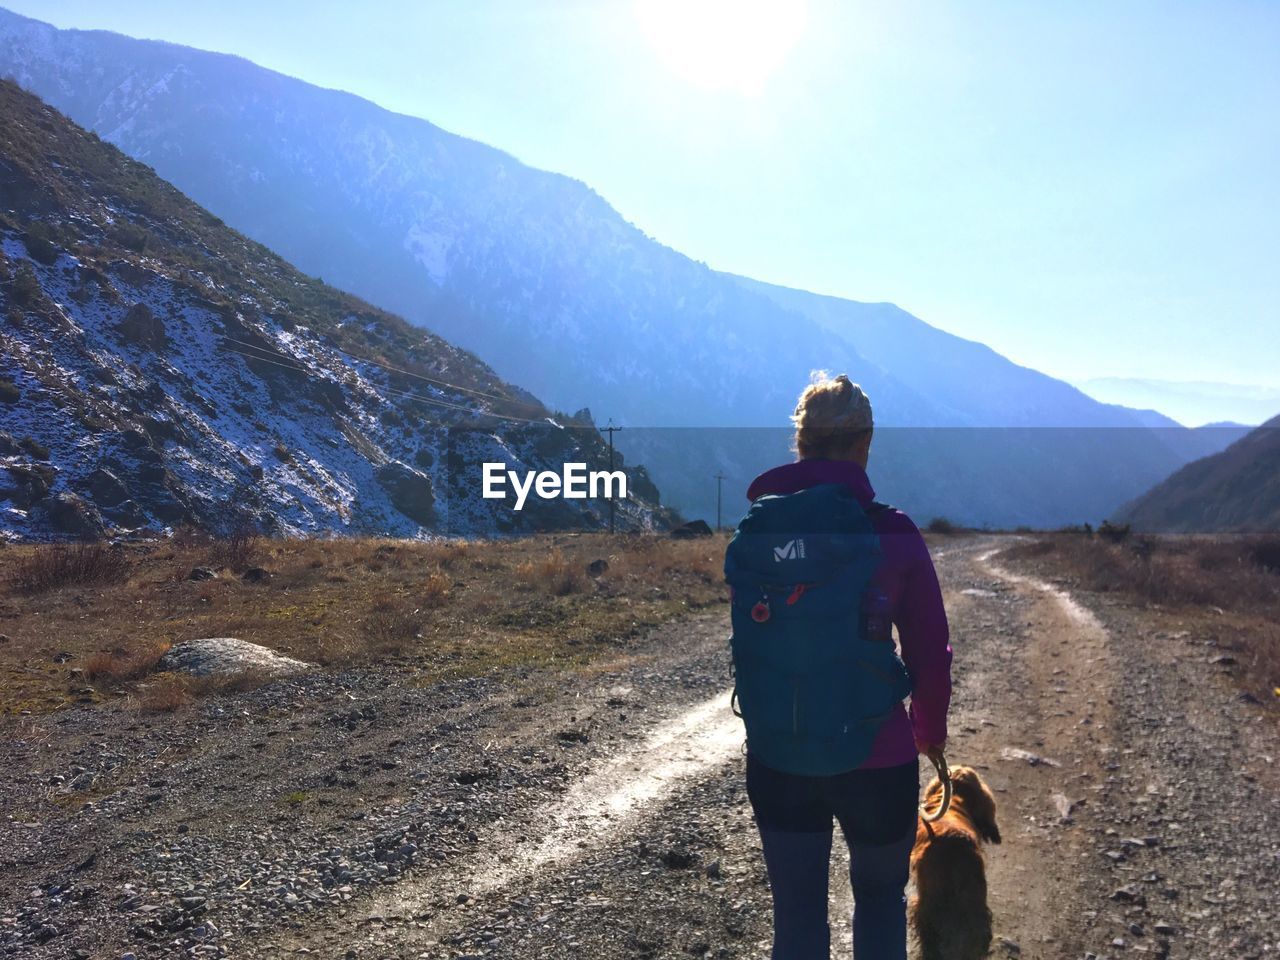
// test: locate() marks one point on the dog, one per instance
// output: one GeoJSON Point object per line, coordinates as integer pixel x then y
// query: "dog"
{"type": "Point", "coordinates": [949, 912]}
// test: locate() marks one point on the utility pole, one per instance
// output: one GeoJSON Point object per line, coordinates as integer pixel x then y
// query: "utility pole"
{"type": "Point", "coordinates": [719, 483]}
{"type": "Point", "coordinates": [611, 430]}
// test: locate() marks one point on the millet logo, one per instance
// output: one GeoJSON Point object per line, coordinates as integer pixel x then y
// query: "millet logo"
{"type": "Point", "coordinates": [791, 550]}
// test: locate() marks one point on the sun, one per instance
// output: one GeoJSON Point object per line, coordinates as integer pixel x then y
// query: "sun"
{"type": "Point", "coordinates": [724, 45]}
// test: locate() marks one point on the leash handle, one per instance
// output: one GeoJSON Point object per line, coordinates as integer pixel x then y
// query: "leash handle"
{"type": "Point", "coordinates": [944, 776]}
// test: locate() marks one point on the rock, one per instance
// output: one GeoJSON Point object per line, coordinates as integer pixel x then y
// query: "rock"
{"type": "Point", "coordinates": [597, 568]}
{"type": "Point", "coordinates": [1222, 660]}
{"type": "Point", "coordinates": [227, 655]}
{"type": "Point", "coordinates": [105, 488]}
{"type": "Point", "coordinates": [1065, 805]}
{"type": "Point", "coordinates": [71, 514]}
{"type": "Point", "coordinates": [142, 327]}
{"type": "Point", "coordinates": [256, 575]}
{"type": "Point", "coordinates": [127, 514]}
{"type": "Point", "coordinates": [678, 858]}
{"type": "Point", "coordinates": [691, 530]}
{"type": "Point", "coordinates": [1034, 759]}
{"type": "Point", "coordinates": [410, 491]}
{"type": "Point", "coordinates": [31, 483]}
{"type": "Point", "coordinates": [200, 574]}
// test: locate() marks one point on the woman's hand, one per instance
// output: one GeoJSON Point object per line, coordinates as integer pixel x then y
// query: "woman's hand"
{"type": "Point", "coordinates": [931, 750]}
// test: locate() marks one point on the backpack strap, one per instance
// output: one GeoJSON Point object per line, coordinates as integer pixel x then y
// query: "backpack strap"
{"type": "Point", "coordinates": [876, 507]}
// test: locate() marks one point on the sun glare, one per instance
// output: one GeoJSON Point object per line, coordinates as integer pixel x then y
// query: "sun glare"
{"type": "Point", "coordinates": [730, 45]}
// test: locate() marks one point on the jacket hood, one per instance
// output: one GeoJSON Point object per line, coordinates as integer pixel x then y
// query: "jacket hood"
{"type": "Point", "coordinates": [803, 474]}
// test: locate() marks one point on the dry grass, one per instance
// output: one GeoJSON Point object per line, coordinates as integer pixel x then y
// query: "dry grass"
{"type": "Point", "coordinates": [165, 694]}
{"type": "Point", "coordinates": [1229, 585]}
{"type": "Point", "coordinates": [438, 609]}
{"type": "Point", "coordinates": [65, 565]}
{"type": "Point", "coordinates": [123, 663]}
{"type": "Point", "coordinates": [1231, 572]}
{"type": "Point", "coordinates": [553, 574]}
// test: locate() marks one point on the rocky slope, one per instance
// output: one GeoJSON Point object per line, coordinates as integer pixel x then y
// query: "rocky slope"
{"type": "Point", "coordinates": [549, 284]}
{"type": "Point", "coordinates": [157, 368]}
{"type": "Point", "coordinates": [1237, 490]}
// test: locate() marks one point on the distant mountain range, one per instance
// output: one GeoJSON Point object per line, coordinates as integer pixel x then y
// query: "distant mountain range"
{"type": "Point", "coordinates": [158, 369]}
{"type": "Point", "coordinates": [1191, 402]}
{"type": "Point", "coordinates": [1236, 490]}
{"type": "Point", "coordinates": [547, 283]}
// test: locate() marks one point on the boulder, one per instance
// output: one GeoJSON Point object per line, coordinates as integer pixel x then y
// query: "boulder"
{"type": "Point", "coordinates": [219, 656]}
{"type": "Point", "coordinates": [128, 515]}
{"type": "Point", "coordinates": [691, 530]}
{"type": "Point", "coordinates": [105, 488]}
{"type": "Point", "coordinates": [72, 515]}
{"type": "Point", "coordinates": [410, 491]}
{"type": "Point", "coordinates": [142, 327]}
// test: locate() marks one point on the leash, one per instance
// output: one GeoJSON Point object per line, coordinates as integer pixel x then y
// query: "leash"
{"type": "Point", "coordinates": [944, 776]}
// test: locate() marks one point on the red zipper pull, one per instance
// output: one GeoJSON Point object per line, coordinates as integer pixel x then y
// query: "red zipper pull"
{"type": "Point", "coordinates": [797, 593]}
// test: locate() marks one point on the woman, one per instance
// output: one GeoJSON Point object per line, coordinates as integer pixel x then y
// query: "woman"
{"type": "Point", "coordinates": [875, 801]}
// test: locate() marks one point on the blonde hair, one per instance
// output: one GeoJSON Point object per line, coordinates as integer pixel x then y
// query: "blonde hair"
{"type": "Point", "coordinates": [831, 414]}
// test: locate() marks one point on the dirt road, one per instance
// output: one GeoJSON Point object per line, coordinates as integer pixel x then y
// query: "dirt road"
{"type": "Point", "coordinates": [605, 816]}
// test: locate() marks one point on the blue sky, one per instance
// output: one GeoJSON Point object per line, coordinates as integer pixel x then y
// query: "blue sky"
{"type": "Point", "coordinates": [1091, 188]}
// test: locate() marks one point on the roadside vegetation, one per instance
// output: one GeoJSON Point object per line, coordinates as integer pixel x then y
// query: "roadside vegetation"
{"type": "Point", "coordinates": [1222, 589]}
{"type": "Point", "coordinates": [89, 623]}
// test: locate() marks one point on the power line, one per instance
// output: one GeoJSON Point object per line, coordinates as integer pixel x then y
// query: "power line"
{"type": "Point", "coordinates": [298, 368]}
{"type": "Point", "coordinates": [407, 373]}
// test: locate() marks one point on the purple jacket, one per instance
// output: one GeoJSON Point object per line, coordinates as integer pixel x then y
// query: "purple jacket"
{"type": "Point", "coordinates": [907, 577]}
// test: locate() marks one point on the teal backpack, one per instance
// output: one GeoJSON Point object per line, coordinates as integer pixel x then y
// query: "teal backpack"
{"type": "Point", "coordinates": [816, 673]}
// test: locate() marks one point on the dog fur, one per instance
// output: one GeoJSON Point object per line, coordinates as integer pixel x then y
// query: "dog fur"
{"type": "Point", "coordinates": [949, 912]}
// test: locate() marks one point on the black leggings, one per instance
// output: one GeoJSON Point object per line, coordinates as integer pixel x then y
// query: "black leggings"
{"type": "Point", "coordinates": [877, 814]}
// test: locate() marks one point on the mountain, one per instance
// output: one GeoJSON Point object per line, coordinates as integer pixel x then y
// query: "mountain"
{"type": "Point", "coordinates": [539, 276]}
{"type": "Point", "coordinates": [1236, 490]}
{"type": "Point", "coordinates": [1193, 402]}
{"type": "Point", "coordinates": [158, 368]}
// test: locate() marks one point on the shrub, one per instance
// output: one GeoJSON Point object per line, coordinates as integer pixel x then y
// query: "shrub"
{"type": "Point", "coordinates": [1112, 532]}
{"type": "Point", "coordinates": [165, 695]}
{"type": "Point", "coordinates": [435, 590]}
{"type": "Point", "coordinates": [25, 289]}
{"type": "Point", "coordinates": [61, 565]}
{"type": "Point", "coordinates": [34, 447]}
{"type": "Point", "coordinates": [1265, 553]}
{"type": "Point", "coordinates": [9, 391]}
{"type": "Point", "coordinates": [130, 236]}
{"type": "Point", "coordinates": [391, 626]}
{"type": "Point", "coordinates": [942, 526]}
{"type": "Point", "coordinates": [237, 550]}
{"type": "Point", "coordinates": [123, 664]}
{"type": "Point", "coordinates": [39, 241]}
